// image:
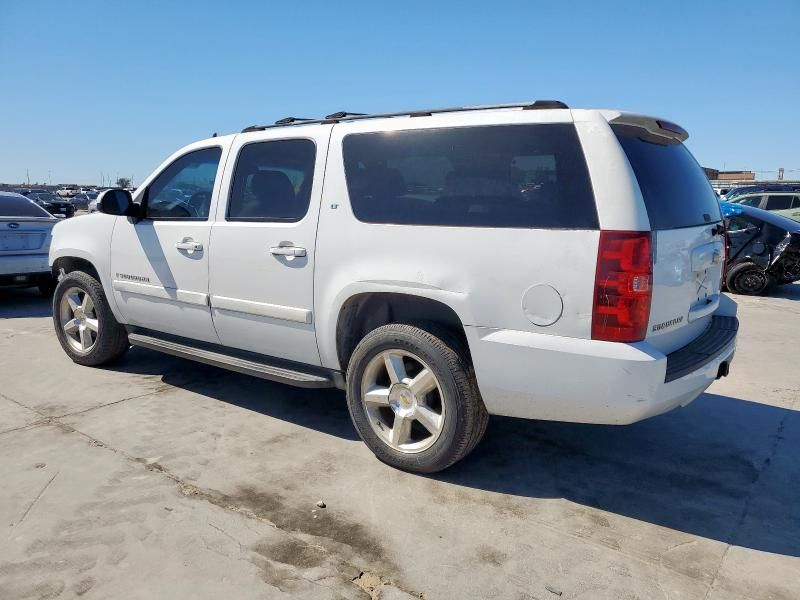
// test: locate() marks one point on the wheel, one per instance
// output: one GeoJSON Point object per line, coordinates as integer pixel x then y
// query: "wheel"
{"type": "Point", "coordinates": [747, 279]}
{"type": "Point", "coordinates": [413, 398]}
{"type": "Point", "coordinates": [84, 323]}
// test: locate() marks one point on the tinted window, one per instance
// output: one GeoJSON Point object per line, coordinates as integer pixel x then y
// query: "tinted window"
{"type": "Point", "coordinates": [20, 206]}
{"type": "Point", "coordinates": [751, 201]}
{"type": "Point", "coordinates": [272, 181]}
{"type": "Point", "coordinates": [740, 223]}
{"type": "Point", "coordinates": [183, 190]}
{"type": "Point", "coordinates": [676, 191]}
{"type": "Point", "coordinates": [531, 176]}
{"type": "Point", "coordinates": [779, 202]}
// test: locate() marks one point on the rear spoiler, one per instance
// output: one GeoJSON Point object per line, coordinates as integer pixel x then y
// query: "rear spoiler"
{"type": "Point", "coordinates": [655, 126]}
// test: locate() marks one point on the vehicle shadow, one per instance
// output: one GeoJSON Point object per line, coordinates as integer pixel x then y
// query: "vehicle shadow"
{"type": "Point", "coordinates": [722, 468]}
{"type": "Point", "coordinates": [19, 303]}
{"type": "Point", "coordinates": [323, 410]}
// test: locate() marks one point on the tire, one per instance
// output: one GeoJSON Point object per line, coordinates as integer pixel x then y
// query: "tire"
{"type": "Point", "coordinates": [747, 279]}
{"type": "Point", "coordinates": [453, 406]}
{"type": "Point", "coordinates": [107, 342]}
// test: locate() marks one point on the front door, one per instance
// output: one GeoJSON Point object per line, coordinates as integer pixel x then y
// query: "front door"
{"type": "Point", "coordinates": [159, 264]}
{"type": "Point", "coordinates": [263, 240]}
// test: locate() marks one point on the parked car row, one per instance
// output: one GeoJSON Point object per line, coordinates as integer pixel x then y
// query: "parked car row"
{"type": "Point", "coordinates": [730, 195]}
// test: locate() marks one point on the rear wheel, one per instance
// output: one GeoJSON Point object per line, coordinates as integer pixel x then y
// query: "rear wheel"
{"type": "Point", "coordinates": [413, 398]}
{"type": "Point", "coordinates": [747, 279]}
{"type": "Point", "coordinates": [84, 323]}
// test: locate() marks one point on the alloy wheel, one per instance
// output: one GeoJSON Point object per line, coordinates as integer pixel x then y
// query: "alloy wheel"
{"type": "Point", "coordinates": [403, 401]}
{"type": "Point", "coordinates": [79, 319]}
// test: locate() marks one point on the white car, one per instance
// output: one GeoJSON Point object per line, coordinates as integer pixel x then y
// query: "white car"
{"type": "Point", "coordinates": [25, 232]}
{"type": "Point", "coordinates": [523, 260]}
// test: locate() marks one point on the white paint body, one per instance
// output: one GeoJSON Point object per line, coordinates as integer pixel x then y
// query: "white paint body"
{"type": "Point", "coordinates": [237, 294]}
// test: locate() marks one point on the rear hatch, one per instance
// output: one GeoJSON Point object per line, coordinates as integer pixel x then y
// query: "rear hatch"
{"type": "Point", "coordinates": [687, 233]}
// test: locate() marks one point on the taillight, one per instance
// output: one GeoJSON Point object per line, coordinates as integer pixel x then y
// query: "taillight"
{"type": "Point", "coordinates": [623, 286]}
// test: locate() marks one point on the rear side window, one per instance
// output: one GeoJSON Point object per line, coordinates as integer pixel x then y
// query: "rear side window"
{"type": "Point", "coordinates": [521, 176]}
{"type": "Point", "coordinates": [20, 206]}
{"type": "Point", "coordinates": [272, 181]}
{"type": "Point", "coordinates": [779, 202]}
{"type": "Point", "coordinates": [676, 191]}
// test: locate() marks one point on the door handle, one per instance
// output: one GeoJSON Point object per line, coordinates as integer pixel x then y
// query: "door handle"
{"type": "Point", "coordinates": [287, 251]}
{"type": "Point", "coordinates": [189, 245]}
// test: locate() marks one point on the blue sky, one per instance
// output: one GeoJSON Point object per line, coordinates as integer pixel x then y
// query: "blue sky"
{"type": "Point", "coordinates": [114, 87]}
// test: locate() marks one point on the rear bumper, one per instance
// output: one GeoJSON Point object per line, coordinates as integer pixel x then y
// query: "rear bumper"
{"type": "Point", "coordinates": [20, 264]}
{"type": "Point", "coordinates": [536, 376]}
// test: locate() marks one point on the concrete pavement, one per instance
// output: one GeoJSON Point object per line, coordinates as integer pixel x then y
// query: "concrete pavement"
{"type": "Point", "coordinates": [161, 478]}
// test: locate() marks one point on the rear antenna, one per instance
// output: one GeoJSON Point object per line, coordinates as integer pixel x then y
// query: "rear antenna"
{"type": "Point", "coordinates": [215, 134]}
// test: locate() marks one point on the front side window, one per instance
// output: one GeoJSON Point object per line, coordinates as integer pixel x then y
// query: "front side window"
{"type": "Point", "coordinates": [183, 190]}
{"type": "Point", "coordinates": [521, 176]}
{"type": "Point", "coordinates": [740, 223]}
{"type": "Point", "coordinates": [272, 181]}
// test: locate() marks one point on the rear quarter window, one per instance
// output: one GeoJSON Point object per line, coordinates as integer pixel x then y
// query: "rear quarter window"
{"type": "Point", "coordinates": [514, 176]}
{"type": "Point", "coordinates": [675, 189]}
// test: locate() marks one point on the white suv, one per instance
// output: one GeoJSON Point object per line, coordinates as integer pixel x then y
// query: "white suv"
{"type": "Point", "coordinates": [523, 260]}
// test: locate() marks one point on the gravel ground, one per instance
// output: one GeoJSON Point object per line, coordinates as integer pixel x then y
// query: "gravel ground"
{"type": "Point", "coordinates": [161, 478]}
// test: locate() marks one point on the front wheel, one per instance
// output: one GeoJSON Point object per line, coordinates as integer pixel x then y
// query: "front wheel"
{"type": "Point", "coordinates": [413, 398]}
{"type": "Point", "coordinates": [84, 323]}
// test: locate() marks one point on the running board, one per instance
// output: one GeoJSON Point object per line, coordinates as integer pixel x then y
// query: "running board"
{"type": "Point", "coordinates": [258, 368]}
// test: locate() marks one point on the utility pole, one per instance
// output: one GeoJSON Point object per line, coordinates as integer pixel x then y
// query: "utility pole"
{"type": "Point", "coordinates": [28, 176]}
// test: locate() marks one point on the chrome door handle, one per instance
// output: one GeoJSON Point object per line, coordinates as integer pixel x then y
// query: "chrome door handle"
{"type": "Point", "coordinates": [189, 245]}
{"type": "Point", "coordinates": [287, 251]}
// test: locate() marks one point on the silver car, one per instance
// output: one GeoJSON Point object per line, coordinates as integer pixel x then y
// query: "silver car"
{"type": "Point", "coordinates": [25, 233]}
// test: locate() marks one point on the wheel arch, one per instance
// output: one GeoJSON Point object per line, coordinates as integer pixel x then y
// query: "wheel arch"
{"type": "Point", "coordinates": [365, 311]}
{"type": "Point", "coordinates": [75, 263]}
{"type": "Point", "coordinates": [78, 260]}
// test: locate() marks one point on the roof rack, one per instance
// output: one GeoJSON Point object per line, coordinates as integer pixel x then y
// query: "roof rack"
{"type": "Point", "coordinates": [342, 114]}
{"type": "Point", "coordinates": [346, 116]}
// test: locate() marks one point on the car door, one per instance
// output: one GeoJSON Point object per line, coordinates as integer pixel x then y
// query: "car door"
{"type": "Point", "coordinates": [741, 230]}
{"type": "Point", "coordinates": [264, 238]}
{"type": "Point", "coordinates": [159, 263]}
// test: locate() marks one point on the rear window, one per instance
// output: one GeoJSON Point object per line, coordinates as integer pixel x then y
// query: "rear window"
{"type": "Point", "coordinates": [676, 191]}
{"type": "Point", "coordinates": [19, 206]}
{"type": "Point", "coordinates": [521, 176]}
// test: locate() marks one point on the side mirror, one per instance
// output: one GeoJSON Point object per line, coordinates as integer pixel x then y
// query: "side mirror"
{"type": "Point", "coordinates": [116, 202]}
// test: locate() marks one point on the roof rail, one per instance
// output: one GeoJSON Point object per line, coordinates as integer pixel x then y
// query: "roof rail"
{"type": "Point", "coordinates": [342, 114]}
{"type": "Point", "coordinates": [345, 116]}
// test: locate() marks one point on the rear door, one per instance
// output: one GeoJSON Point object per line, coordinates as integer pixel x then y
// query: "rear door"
{"type": "Point", "coordinates": [688, 238]}
{"type": "Point", "coordinates": [264, 239]}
